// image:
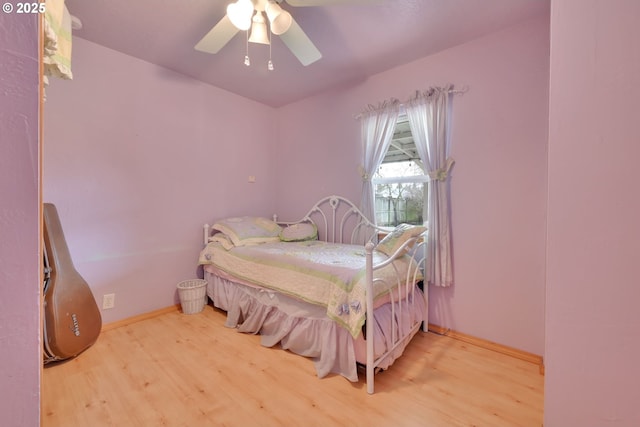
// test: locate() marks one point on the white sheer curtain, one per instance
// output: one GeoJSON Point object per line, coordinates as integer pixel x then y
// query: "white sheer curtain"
{"type": "Point", "coordinates": [378, 125]}
{"type": "Point", "coordinates": [428, 114]}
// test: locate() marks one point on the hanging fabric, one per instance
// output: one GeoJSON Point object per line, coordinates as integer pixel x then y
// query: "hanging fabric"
{"type": "Point", "coordinates": [428, 114]}
{"type": "Point", "coordinates": [57, 41]}
{"type": "Point", "coordinates": [378, 124]}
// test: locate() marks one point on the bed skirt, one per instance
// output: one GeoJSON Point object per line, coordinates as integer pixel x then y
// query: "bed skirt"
{"type": "Point", "coordinates": [304, 328]}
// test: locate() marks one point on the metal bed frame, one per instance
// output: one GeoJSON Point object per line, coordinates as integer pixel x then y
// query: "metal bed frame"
{"type": "Point", "coordinates": [339, 221]}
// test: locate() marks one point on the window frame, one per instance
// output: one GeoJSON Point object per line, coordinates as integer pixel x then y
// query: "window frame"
{"type": "Point", "coordinates": [408, 179]}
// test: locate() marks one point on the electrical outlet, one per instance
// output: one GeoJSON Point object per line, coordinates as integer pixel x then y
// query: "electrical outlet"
{"type": "Point", "coordinates": [108, 301]}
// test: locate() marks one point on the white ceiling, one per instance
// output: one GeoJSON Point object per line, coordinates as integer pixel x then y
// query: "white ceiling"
{"type": "Point", "coordinates": [356, 40]}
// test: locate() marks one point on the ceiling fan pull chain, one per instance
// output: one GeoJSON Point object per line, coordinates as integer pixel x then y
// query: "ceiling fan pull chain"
{"type": "Point", "coordinates": [247, 61]}
{"type": "Point", "coordinates": [270, 63]}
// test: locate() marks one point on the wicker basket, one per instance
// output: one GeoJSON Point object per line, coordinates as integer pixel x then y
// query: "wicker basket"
{"type": "Point", "coordinates": [193, 294]}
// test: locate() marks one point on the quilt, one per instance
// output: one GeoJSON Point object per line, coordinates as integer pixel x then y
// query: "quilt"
{"type": "Point", "coordinates": [327, 274]}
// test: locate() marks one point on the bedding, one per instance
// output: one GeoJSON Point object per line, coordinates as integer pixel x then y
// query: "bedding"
{"type": "Point", "coordinates": [327, 274]}
{"type": "Point", "coordinates": [398, 237]}
{"type": "Point", "coordinates": [304, 328]}
{"type": "Point", "coordinates": [299, 232]}
{"type": "Point", "coordinates": [222, 239]}
{"type": "Point", "coordinates": [248, 230]}
{"type": "Point", "coordinates": [319, 286]}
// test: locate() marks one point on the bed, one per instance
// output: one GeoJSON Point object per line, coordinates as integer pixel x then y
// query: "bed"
{"type": "Point", "coordinates": [313, 285]}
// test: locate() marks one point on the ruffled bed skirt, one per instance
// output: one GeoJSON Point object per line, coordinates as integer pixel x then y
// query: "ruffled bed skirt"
{"type": "Point", "coordinates": [305, 329]}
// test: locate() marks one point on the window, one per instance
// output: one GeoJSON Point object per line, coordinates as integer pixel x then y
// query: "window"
{"type": "Point", "coordinates": [400, 189]}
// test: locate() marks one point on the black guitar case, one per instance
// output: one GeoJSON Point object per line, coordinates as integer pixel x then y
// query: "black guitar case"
{"type": "Point", "coordinates": [72, 320]}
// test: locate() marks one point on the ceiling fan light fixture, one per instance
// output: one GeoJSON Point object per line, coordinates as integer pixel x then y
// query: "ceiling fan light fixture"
{"type": "Point", "coordinates": [254, 18]}
{"type": "Point", "coordinates": [239, 14]}
{"type": "Point", "coordinates": [259, 32]}
{"type": "Point", "coordinates": [279, 19]}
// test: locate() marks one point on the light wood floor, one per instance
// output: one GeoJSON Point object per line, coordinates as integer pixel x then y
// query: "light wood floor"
{"type": "Point", "coordinates": [189, 370]}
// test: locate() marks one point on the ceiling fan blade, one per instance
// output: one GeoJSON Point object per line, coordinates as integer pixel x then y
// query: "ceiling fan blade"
{"type": "Point", "coordinates": [300, 44]}
{"type": "Point", "coordinates": [218, 36]}
{"type": "Point", "coordinates": [299, 3]}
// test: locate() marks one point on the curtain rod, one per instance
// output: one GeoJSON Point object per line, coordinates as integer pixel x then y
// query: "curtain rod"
{"type": "Point", "coordinates": [384, 104]}
{"type": "Point", "coordinates": [452, 90]}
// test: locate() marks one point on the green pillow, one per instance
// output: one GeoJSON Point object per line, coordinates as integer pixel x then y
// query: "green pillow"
{"type": "Point", "coordinates": [403, 232]}
{"type": "Point", "coordinates": [299, 232]}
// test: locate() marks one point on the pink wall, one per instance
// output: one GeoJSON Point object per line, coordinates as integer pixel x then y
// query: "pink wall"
{"type": "Point", "coordinates": [499, 135]}
{"type": "Point", "coordinates": [499, 125]}
{"type": "Point", "coordinates": [20, 285]}
{"type": "Point", "coordinates": [592, 316]}
{"type": "Point", "coordinates": [137, 158]}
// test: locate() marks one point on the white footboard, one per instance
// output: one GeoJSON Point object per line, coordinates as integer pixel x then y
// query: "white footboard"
{"type": "Point", "coordinates": [340, 221]}
{"type": "Point", "coordinates": [400, 307]}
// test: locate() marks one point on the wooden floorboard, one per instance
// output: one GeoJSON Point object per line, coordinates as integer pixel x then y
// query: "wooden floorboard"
{"type": "Point", "coordinates": [189, 370]}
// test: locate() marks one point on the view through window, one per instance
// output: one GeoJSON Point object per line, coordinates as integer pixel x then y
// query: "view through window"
{"type": "Point", "coordinates": [400, 183]}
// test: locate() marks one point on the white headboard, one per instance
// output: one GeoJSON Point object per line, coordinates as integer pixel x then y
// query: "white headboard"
{"type": "Point", "coordinates": [339, 221]}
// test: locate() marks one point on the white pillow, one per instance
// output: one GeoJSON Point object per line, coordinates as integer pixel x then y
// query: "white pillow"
{"type": "Point", "coordinates": [222, 239]}
{"type": "Point", "coordinates": [249, 230]}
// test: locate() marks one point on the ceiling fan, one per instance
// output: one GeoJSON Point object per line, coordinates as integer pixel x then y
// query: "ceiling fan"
{"type": "Point", "coordinates": [249, 14]}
